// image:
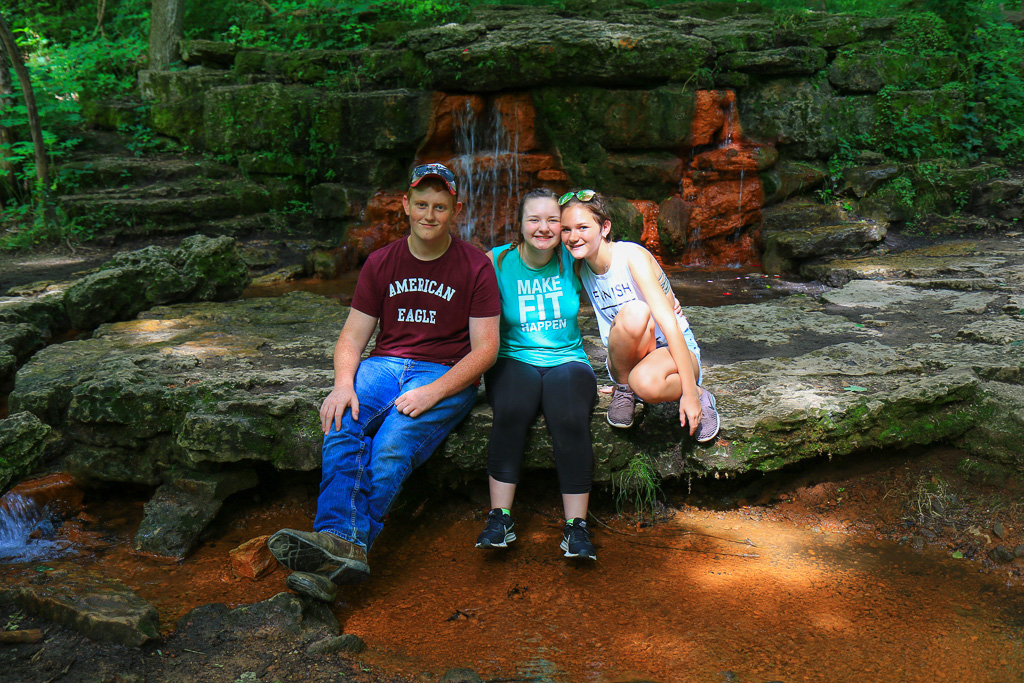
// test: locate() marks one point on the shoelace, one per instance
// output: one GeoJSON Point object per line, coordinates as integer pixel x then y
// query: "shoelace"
{"type": "Point", "coordinates": [578, 533]}
{"type": "Point", "coordinates": [622, 398]}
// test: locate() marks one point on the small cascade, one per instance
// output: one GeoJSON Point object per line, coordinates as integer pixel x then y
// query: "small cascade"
{"type": "Point", "coordinates": [20, 516]}
{"type": "Point", "coordinates": [718, 209]}
{"type": "Point", "coordinates": [486, 161]}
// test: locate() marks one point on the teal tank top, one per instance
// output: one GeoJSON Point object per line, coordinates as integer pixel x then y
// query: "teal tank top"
{"type": "Point", "coordinates": [538, 310]}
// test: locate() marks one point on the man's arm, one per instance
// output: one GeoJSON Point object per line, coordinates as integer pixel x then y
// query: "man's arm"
{"type": "Point", "coordinates": [352, 341]}
{"type": "Point", "coordinates": [483, 342]}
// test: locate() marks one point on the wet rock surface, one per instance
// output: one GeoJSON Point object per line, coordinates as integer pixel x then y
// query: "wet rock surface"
{"type": "Point", "coordinates": [183, 507]}
{"type": "Point", "coordinates": [871, 364]}
{"type": "Point", "coordinates": [23, 443]}
{"type": "Point", "coordinates": [95, 605]}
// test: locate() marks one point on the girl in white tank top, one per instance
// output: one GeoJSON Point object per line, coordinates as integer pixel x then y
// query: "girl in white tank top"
{"type": "Point", "coordinates": [652, 353]}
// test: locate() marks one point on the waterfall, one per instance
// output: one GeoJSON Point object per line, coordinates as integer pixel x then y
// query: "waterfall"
{"type": "Point", "coordinates": [487, 165]}
{"type": "Point", "coordinates": [740, 207]}
{"type": "Point", "coordinates": [19, 517]}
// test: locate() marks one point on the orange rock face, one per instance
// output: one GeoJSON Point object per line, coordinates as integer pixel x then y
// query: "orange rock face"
{"type": "Point", "coordinates": [253, 559]}
{"type": "Point", "coordinates": [491, 143]}
{"type": "Point", "coordinates": [59, 490]}
{"type": "Point", "coordinates": [649, 237]}
{"type": "Point", "coordinates": [721, 188]}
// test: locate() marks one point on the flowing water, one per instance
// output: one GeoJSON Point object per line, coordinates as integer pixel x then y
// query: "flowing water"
{"type": "Point", "coordinates": [19, 518]}
{"type": "Point", "coordinates": [487, 159]}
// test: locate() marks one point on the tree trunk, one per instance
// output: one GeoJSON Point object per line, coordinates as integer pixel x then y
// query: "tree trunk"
{"type": "Point", "coordinates": [42, 166]}
{"type": "Point", "coordinates": [7, 182]}
{"type": "Point", "coordinates": [165, 30]}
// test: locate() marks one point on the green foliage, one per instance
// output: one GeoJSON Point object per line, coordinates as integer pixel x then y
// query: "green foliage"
{"type": "Point", "coordinates": [638, 483]}
{"type": "Point", "coordinates": [998, 87]}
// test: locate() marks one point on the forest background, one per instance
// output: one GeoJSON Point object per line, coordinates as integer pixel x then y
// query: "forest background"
{"type": "Point", "coordinates": [77, 53]}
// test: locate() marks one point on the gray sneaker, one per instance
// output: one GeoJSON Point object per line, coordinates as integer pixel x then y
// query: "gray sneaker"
{"type": "Point", "coordinates": [321, 553]}
{"type": "Point", "coordinates": [316, 586]}
{"type": "Point", "coordinates": [620, 410]}
{"type": "Point", "coordinates": [709, 422]}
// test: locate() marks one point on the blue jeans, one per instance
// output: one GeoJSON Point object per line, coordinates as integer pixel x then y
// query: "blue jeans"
{"type": "Point", "coordinates": [366, 461]}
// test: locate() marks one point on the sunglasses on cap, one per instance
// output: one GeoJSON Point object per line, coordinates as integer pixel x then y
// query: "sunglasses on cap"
{"type": "Point", "coordinates": [439, 170]}
{"type": "Point", "coordinates": [582, 195]}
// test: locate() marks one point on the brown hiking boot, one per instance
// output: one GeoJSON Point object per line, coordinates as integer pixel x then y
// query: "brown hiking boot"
{"type": "Point", "coordinates": [316, 586]}
{"type": "Point", "coordinates": [320, 553]}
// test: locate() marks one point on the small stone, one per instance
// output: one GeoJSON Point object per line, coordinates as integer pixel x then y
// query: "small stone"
{"type": "Point", "coordinates": [1000, 554]}
{"type": "Point", "coordinates": [917, 543]}
{"type": "Point", "coordinates": [928, 533]}
{"type": "Point", "coordinates": [253, 559]}
{"type": "Point", "coordinates": [461, 676]}
{"type": "Point", "coordinates": [346, 643]}
{"type": "Point", "coordinates": [999, 530]}
{"type": "Point", "coordinates": [1018, 551]}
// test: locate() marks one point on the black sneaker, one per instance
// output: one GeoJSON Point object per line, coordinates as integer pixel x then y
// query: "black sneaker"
{"type": "Point", "coordinates": [498, 532]}
{"type": "Point", "coordinates": [576, 540]}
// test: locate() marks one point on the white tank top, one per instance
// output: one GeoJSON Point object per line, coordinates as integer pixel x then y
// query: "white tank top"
{"type": "Point", "coordinates": [614, 289]}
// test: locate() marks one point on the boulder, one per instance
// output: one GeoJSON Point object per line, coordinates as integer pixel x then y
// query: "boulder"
{"type": "Point", "coordinates": [788, 178]}
{"type": "Point", "coordinates": [253, 558]}
{"type": "Point", "coordinates": [24, 440]}
{"type": "Point", "coordinates": [861, 181]}
{"type": "Point", "coordinates": [783, 61]}
{"type": "Point", "coordinates": [825, 240]}
{"type": "Point", "coordinates": [97, 606]}
{"type": "Point", "coordinates": [820, 30]}
{"type": "Point", "coordinates": [618, 119]}
{"type": "Point", "coordinates": [209, 53]}
{"type": "Point", "coordinates": [201, 268]}
{"type": "Point", "coordinates": [285, 618]}
{"type": "Point", "coordinates": [188, 385]}
{"type": "Point", "coordinates": [627, 221]}
{"type": "Point", "coordinates": [869, 67]}
{"type": "Point", "coordinates": [183, 507]}
{"type": "Point", "coordinates": [552, 50]}
{"type": "Point", "coordinates": [27, 323]}
{"type": "Point", "coordinates": [1001, 198]}
{"type": "Point", "coordinates": [800, 215]}
{"type": "Point", "coordinates": [346, 643]}
{"type": "Point", "coordinates": [739, 35]}
{"type": "Point", "coordinates": [600, 134]}
{"type": "Point", "coordinates": [796, 113]}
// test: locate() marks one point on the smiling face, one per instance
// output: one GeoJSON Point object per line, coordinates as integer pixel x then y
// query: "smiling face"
{"type": "Point", "coordinates": [541, 224]}
{"type": "Point", "coordinates": [432, 211]}
{"type": "Point", "coordinates": [582, 234]}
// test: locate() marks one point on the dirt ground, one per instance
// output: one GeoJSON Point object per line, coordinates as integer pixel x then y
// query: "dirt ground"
{"type": "Point", "coordinates": [867, 570]}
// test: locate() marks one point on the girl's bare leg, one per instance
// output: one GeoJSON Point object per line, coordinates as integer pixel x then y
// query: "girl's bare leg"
{"type": "Point", "coordinates": [575, 505]}
{"type": "Point", "coordinates": [502, 494]}
{"type": "Point", "coordinates": [655, 379]}
{"type": "Point", "coordinates": [630, 339]}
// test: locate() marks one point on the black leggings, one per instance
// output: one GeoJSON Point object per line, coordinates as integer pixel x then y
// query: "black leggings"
{"type": "Point", "coordinates": [565, 394]}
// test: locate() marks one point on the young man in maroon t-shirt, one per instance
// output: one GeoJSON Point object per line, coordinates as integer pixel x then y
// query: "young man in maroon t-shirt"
{"type": "Point", "coordinates": [436, 300]}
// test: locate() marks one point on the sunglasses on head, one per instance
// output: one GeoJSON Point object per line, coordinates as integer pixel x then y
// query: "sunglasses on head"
{"type": "Point", "coordinates": [439, 170]}
{"type": "Point", "coordinates": [582, 195]}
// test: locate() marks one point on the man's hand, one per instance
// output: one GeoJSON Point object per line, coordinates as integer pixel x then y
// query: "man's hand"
{"type": "Point", "coordinates": [689, 412]}
{"type": "Point", "coordinates": [417, 401]}
{"type": "Point", "coordinates": [333, 407]}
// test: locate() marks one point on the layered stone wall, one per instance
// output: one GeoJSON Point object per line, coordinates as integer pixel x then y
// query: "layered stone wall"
{"type": "Point", "coordinates": [697, 116]}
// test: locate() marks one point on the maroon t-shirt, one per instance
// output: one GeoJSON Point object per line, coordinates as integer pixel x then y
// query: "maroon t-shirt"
{"type": "Point", "coordinates": [424, 307]}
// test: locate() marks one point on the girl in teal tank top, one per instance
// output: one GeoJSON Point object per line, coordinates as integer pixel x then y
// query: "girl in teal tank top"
{"type": "Point", "coordinates": [542, 367]}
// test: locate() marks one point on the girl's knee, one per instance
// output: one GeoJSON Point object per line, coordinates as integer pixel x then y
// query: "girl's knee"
{"type": "Point", "coordinates": [645, 384]}
{"type": "Point", "coordinates": [634, 319]}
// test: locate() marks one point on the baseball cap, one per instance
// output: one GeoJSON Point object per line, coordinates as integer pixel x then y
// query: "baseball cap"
{"type": "Point", "coordinates": [439, 170]}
